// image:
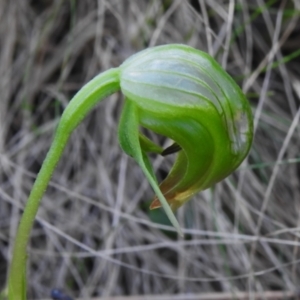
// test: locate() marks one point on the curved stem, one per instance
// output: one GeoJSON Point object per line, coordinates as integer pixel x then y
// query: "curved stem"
{"type": "Point", "coordinates": [93, 92]}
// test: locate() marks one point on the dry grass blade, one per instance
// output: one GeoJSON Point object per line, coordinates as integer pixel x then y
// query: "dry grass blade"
{"type": "Point", "coordinates": [268, 295]}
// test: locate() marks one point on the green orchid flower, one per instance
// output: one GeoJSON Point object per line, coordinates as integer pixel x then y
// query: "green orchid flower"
{"type": "Point", "coordinates": [182, 93]}
{"type": "Point", "coordinates": [175, 91]}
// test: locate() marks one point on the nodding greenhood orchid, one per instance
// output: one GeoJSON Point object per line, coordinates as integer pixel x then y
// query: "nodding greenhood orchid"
{"type": "Point", "coordinates": [184, 94]}
{"type": "Point", "coordinates": [175, 91]}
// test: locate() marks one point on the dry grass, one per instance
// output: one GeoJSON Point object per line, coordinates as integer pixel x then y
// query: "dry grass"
{"type": "Point", "coordinates": [94, 235]}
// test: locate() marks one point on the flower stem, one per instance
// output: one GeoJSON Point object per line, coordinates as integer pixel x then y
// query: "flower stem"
{"type": "Point", "coordinates": [92, 93]}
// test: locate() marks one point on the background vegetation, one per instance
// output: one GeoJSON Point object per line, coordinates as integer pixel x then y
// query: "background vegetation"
{"type": "Point", "coordinates": [94, 234]}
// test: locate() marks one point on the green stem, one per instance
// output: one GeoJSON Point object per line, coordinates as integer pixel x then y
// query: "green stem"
{"type": "Point", "coordinates": [93, 92]}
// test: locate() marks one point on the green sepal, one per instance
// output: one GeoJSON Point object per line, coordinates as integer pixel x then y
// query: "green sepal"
{"type": "Point", "coordinates": [129, 140]}
{"type": "Point", "coordinates": [148, 146]}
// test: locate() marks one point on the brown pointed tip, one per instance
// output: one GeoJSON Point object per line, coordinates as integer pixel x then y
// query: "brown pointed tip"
{"type": "Point", "coordinates": [171, 149]}
{"type": "Point", "coordinates": [155, 204]}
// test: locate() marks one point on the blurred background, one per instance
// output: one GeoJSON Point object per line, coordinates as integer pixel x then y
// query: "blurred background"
{"type": "Point", "coordinates": [94, 235]}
